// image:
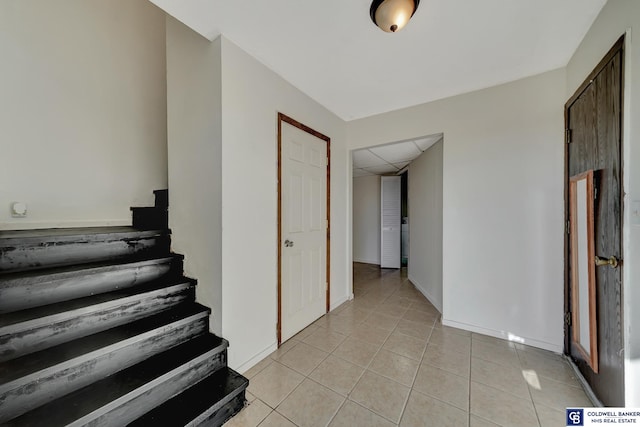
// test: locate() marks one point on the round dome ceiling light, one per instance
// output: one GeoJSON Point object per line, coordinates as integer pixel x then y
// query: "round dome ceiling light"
{"type": "Point", "coordinates": [392, 15]}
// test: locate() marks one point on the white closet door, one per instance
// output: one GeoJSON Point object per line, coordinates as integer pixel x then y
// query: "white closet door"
{"type": "Point", "coordinates": [304, 229]}
{"type": "Point", "coordinates": [390, 221]}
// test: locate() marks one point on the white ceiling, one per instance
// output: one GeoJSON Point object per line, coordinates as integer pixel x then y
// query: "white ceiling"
{"type": "Point", "coordinates": [390, 158]}
{"type": "Point", "coordinates": [331, 50]}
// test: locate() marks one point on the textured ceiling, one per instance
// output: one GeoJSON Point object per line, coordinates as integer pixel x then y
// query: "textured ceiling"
{"type": "Point", "coordinates": [390, 159]}
{"type": "Point", "coordinates": [331, 50]}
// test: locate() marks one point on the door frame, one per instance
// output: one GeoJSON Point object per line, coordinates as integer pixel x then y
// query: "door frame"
{"type": "Point", "coordinates": [618, 47]}
{"type": "Point", "coordinates": [286, 119]}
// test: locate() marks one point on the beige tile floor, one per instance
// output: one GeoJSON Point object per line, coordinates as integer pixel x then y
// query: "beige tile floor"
{"type": "Point", "coordinates": [384, 359]}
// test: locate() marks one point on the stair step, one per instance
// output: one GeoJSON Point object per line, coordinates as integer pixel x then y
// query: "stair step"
{"type": "Point", "coordinates": [36, 329]}
{"type": "Point", "coordinates": [30, 249]}
{"type": "Point", "coordinates": [19, 291]}
{"type": "Point", "coordinates": [37, 378]}
{"type": "Point", "coordinates": [146, 218]}
{"type": "Point", "coordinates": [161, 198]}
{"type": "Point", "coordinates": [210, 402]}
{"type": "Point", "coordinates": [128, 394]}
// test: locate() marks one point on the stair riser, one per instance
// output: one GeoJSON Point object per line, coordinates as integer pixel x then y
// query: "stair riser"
{"type": "Point", "coordinates": [36, 291]}
{"type": "Point", "coordinates": [35, 335]}
{"type": "Point", "coordinates": [55, 254]}
{"type": "Point", "coordinates": [221, 415]}
{"type": "Point", "coordinates": [161, 198]}
{"type": "Point", "coordinates": [140, 401]}
{"type": "Point", "coordinates": [27, 393]}
{"type": "Point", "coordinates": [150, 218]}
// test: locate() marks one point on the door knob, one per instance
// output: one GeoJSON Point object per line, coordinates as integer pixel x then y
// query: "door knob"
{"type": "Point", "coordinates": [612, 261]}
{"type": "Point", "coordinates": [288, 243]}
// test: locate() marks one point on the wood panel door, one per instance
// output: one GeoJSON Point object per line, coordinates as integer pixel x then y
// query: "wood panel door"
{"type": "Point", "coordinates": [594, 139]}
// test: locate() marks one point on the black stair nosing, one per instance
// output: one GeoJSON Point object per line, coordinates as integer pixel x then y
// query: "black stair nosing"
{"type": "Point", "coordinates": [30, 392]}
{"type": "Point", "coordinates": [62, 234]}
{"type": "Point", "coordinates": [125, 385]}
{"type": "Point", "coordinates": [38, 254]}
{"type": "Point", "coordinates": [199, 402]}
{"type": "Point", "coordinates": [37, 288]}
{"type": "Point", "coordinates": [224, 414]}
{"type": "Point", "coordinates": [150, 209]}
{"type": "Point", "coordinates": [67, 271]}
{"type": "Point", "coordinates": [60, 311]}
{"type": "Point", "coordinates": [85, 348]}
{"type": "Point", "coordinates": [40, 333]}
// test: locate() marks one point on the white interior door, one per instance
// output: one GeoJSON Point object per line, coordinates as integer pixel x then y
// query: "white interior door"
{"type": "Point", "coordinates": [303, 229]}
{"type": "Point", "coordinates": [390, 221]}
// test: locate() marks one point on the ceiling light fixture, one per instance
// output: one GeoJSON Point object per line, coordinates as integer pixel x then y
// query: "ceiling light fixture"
{"type": "Point", "coordinates": [392, 15]}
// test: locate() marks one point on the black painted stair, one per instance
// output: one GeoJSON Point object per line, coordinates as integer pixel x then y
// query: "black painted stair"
{"type": "Point", "coordinates": [33, 249]}
{"type": "Point", "coordinates": [98, 326]}
{"type": "Point", "coordinates": [29, 289]}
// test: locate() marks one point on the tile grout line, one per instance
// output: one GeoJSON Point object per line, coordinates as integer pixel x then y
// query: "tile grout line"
{"type": "Point", "coordinates": [372, 311]}
{"type": "Point", "coordinates": [424, 350]}
{"type": "Point", "coordinates": [371, 361]}
{"type": "Point", "coordinates": [346, 397]}
{"type": "Point", "coordinates": [535, 408]}
{"type": "Point", "coordinates": [374, 356]}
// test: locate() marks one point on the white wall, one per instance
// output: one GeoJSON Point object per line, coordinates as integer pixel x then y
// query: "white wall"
{"type": "Point", "coordinates": [616, 18]}
{"type": "Point", "coordinates": [252, 95]}
{"type": "Point", "coordinates": [502, 203]}
{"type": "Point", "coordinates": [194, 130]}
{"type": "Point", "coordinates": [425, 223]}
{"type": "Point", "coordinates": [366, 219]}
{"type": "Point", "coordinates": [82, 110]}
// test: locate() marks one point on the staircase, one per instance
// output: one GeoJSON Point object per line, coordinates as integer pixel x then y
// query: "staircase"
{"type": "Point", "coordinates": [99, 326]}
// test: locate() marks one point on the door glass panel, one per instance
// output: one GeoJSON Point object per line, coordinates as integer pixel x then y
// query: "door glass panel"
{"type": "Point", "coordinates": [583, 283]}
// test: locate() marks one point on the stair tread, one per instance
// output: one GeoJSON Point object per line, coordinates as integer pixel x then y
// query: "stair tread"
{"type": "Point", "coordinates": [92, 397]}
{"type": "Point", "coordinates": [147, 208]}
{"type": "Point", "coordinates": [59, 308]}
{"type": "Point", "coordinates": [32, 363]}
{"type": "Point", "coordinates": [61, 233]}
{"type": "Point", "coordinates": [55, 273]}
{"type": "Point", "coordinates": [186, 406]}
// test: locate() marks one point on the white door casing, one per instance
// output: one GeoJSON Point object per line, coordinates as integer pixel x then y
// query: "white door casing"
{"type": "Point", "coordinates": [390, 221]}
{"type": "Point", "coordinates": [303, 239]}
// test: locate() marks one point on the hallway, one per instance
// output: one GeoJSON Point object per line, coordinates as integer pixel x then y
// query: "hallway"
{"type": "Point", "coordinates": [384, 359]}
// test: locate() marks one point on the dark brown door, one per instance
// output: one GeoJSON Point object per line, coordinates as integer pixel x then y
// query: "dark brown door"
{"type": "Point", "coordinates": [594, 123]}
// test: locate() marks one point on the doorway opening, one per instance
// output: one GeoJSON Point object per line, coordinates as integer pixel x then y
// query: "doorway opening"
{"type": "Point", "coordinates": [417, 164]}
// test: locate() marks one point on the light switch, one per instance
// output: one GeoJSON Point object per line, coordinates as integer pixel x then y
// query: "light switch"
{"type": "Point", "coordinates": [18, 209]}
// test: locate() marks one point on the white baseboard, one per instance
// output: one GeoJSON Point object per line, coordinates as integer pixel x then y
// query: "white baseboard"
{"type": "Point", "coordinates": [256, 359]}
{"type": "Point", "coordinates": [367, 261]}
{"type": "Point", "coordinates": [340, 301]}
{"type": "Point", "coordinates": [505, 336]}
{"type": "Point", "coordinates": [273, 347]}
{"type": "Point", "coordinates": [426, 294]}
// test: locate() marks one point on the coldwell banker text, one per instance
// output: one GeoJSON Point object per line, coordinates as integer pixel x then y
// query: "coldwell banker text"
{"type": "Point", "coordinates": [599, 416]}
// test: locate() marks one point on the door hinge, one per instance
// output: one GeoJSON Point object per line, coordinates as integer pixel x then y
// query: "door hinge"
{"type": "Point", "coordinates": [568, 135]}
{"type": "Point", "coordinates": [568, 227]}
{"type": "Point", "coordinates": [595, 193]}
{"type": "Point", "coordinates": [567, 318]}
